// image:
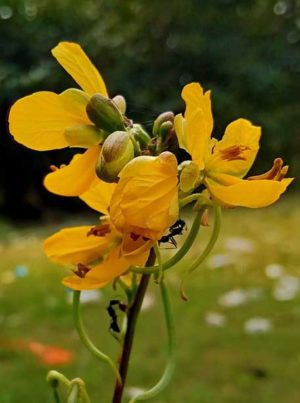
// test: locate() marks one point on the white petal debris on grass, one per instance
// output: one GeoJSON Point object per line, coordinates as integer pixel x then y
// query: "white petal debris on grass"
{"type": "Point", "coordinates": [215, 319]}
{"type": "Point", "coordinates": [239, 297]}
{"type": "Point", "coordinates": [238, 244]}
{"type": "Point", "coordinates": [287, 288]}
{"type": "Point", "coordinates": [258, 325]}
{"type": "Point", "coordinates": [86, 297]}
{"type": "Point", "coordinates": [274, 270]}
{"type": "Point", "coordinates": [220, 260]}
{"type": "Point", "coordinates": [148, 302]}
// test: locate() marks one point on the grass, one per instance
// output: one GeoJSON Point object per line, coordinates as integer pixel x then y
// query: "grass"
{"type": "Point", "coordinates": [215, 364]}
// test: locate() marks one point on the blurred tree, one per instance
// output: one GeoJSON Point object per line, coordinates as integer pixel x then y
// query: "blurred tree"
{"type": "Point", "coordinates": [246, 51]}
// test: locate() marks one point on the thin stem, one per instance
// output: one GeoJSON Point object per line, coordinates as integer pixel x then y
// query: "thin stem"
{"type": "Point", "coordinates": [169, 369]}
{"type": "Point", "coordinates": [211, 243]}
{"type": "Point", "coordinates": [160, 273]}
{"type": "Point", "coordinates": [85, 338]}
{"type": "Point", "coordinates": [56, 396]}
{"type": "Point", "coordinates": [182, 251]}
{"type": "Point", "coordinates": [129, 335]}
{"type": "Point", "coordinates": [189, 199]}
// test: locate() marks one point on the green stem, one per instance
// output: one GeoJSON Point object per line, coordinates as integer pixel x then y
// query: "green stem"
{"type": "Point", "coordinates": [56, 396]}
{"type": "Point", "coordinates": [214, 236]}
{"type": "Point", "coordinates": [85, 338]}
{"type": "Point", "coordinates": [160, 273]}
{"type": "Point", "coordinates": [180, 254]}
{"type": "Point", "coordinates": [169, 370]}
{"type": "Point", "coordinates": [189, 199]}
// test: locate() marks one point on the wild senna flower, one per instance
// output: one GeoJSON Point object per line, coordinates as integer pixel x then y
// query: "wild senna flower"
{"type": "Point", "coordinates": [221, 165]}
{"type": "Point", "coordinates": [142, 206]}
{"type": "Point", "coordinates": [97, 254]}
{"type": "Point", "coordinates": [145, 201]}
{"type": "Point", "coordinates": [74, 118]}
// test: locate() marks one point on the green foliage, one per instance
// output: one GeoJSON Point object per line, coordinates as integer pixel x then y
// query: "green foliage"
{"type": "Point", "coordinates": [214, 364]}
{"type": "Point", "coordinates": [246, 51]}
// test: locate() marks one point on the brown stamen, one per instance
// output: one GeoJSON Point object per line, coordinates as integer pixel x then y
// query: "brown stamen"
{"type": "Point", "coordinates": [99, 230]}
{"type": "Point", "coordinates": [82, 270]}
{"type": "Point", "coordinates": [53, 168]}
{"type": "Point", "coordinates": [277, 172]}
{"type": "Point", "coordinates": [134, 236]}
{"type": "Point", "coordinates": [233, 153]}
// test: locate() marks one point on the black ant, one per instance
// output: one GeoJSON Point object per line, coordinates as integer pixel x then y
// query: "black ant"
{"type": "Point", "coordinates": [114, 326]}
{"type": "Point", "coordinates": [175, 229]}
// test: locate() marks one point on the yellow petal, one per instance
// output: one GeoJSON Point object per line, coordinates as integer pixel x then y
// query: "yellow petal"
{"type": "Point", "coordinates": [136, 249]}
{"type": "Point", "coordinates": [244, 193]}
{"type": "Point", "coordinates": [39, 120]}
{"type": "Point", "coordinates": [98, 195]}
{"type": "Point", "coordinates": [145, 200]}
{"type": "Point", "coordinates": [74, 60]}
{"type": "Point", "coordinates": [73, 246]}
{"type": "Point", "coordinates": [199, 122]}
{"type": "Point", "coordinates": [79, 284]}
{"type": "Point", "coordinates": [236, 152]}
{"type": "Point", "coordinates": [76, 178]}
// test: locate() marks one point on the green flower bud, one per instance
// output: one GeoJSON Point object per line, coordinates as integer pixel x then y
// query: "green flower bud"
{"type": "Point", "coordinates": [163, 117]}
{"type": "Point", "coordinates": [84, 136]}
{"type": "Point", "coordinates": [120, 101]}
{"type": "Point", "coordinates": [140, 135]}
{"type": "Point", "coordinates": [116, 152]}
{"type": "Point", "coordinates": [105, 114]}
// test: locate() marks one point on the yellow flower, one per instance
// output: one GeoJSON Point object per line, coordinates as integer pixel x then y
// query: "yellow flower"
{"type": "Point", "coordinates": [221, 165]}
{"type": "Point", "coordinates": [145, 201]}
{"type": "Point", "coordinates": [47, 121]}
{"type": "Point", "coordinates": [97, 254]}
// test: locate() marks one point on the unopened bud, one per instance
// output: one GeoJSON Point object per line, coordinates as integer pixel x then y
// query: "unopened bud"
{"type": "Point", "coordinates": [120, 101]}
{"type": "Point", "coordinates": [105, 114]}
{"type": "Point", "coordinates": [163, 117]}
{"type": "Point", "coordinates": [164, 130]}
{"type": "Point", "coordinates": [116, 152]}
{"type": "Point", "coordinates": [84, 136]}
{"type": "Point", "coordinates": [190, 177]}
{"type": "Point", "coordinates": [140, 135]}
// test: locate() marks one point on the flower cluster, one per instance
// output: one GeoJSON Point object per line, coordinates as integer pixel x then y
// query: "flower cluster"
{"type": "Point", "coordinates": [130, 176]}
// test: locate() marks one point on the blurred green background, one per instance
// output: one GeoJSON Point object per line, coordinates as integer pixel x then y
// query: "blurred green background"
{"type": "Point", "coordinates": [246, 51]}
{"type": "Point", "coordinates": [238, 337]}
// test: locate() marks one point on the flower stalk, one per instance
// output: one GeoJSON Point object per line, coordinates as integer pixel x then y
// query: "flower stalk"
{"type": "Point", "coordinates": [130, 331]}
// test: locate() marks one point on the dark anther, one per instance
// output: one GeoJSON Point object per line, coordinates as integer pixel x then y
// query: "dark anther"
{"type": "Point", "coordinates": [82, 270]}
{"type": "Point", "coordinates": [134, 236]}
{"type": "Point", "coordinates": [99, 230]}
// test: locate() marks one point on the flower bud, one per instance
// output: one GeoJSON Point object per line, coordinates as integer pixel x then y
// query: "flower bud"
{"type": "Point", "coordinates": [163, 117]}
{"type": "Point", "coordinates": [120, 101]}
{"type": "Point", "coordinates": [84, 136]}
{"type": "Point", "coordinates": [189, 176]}
{"type": "Point", "coordinates": [116, 152]}
{"type": "Point", "coordinates": [105, 114]}
{"type": "Point", "coordinates": [140, 135]}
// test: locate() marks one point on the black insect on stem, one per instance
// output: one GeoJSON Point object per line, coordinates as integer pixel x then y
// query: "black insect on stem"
{"type": "Point", "coordinates": [114, 326]}
{"type": "Point", "coordinates": [174, 230]}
